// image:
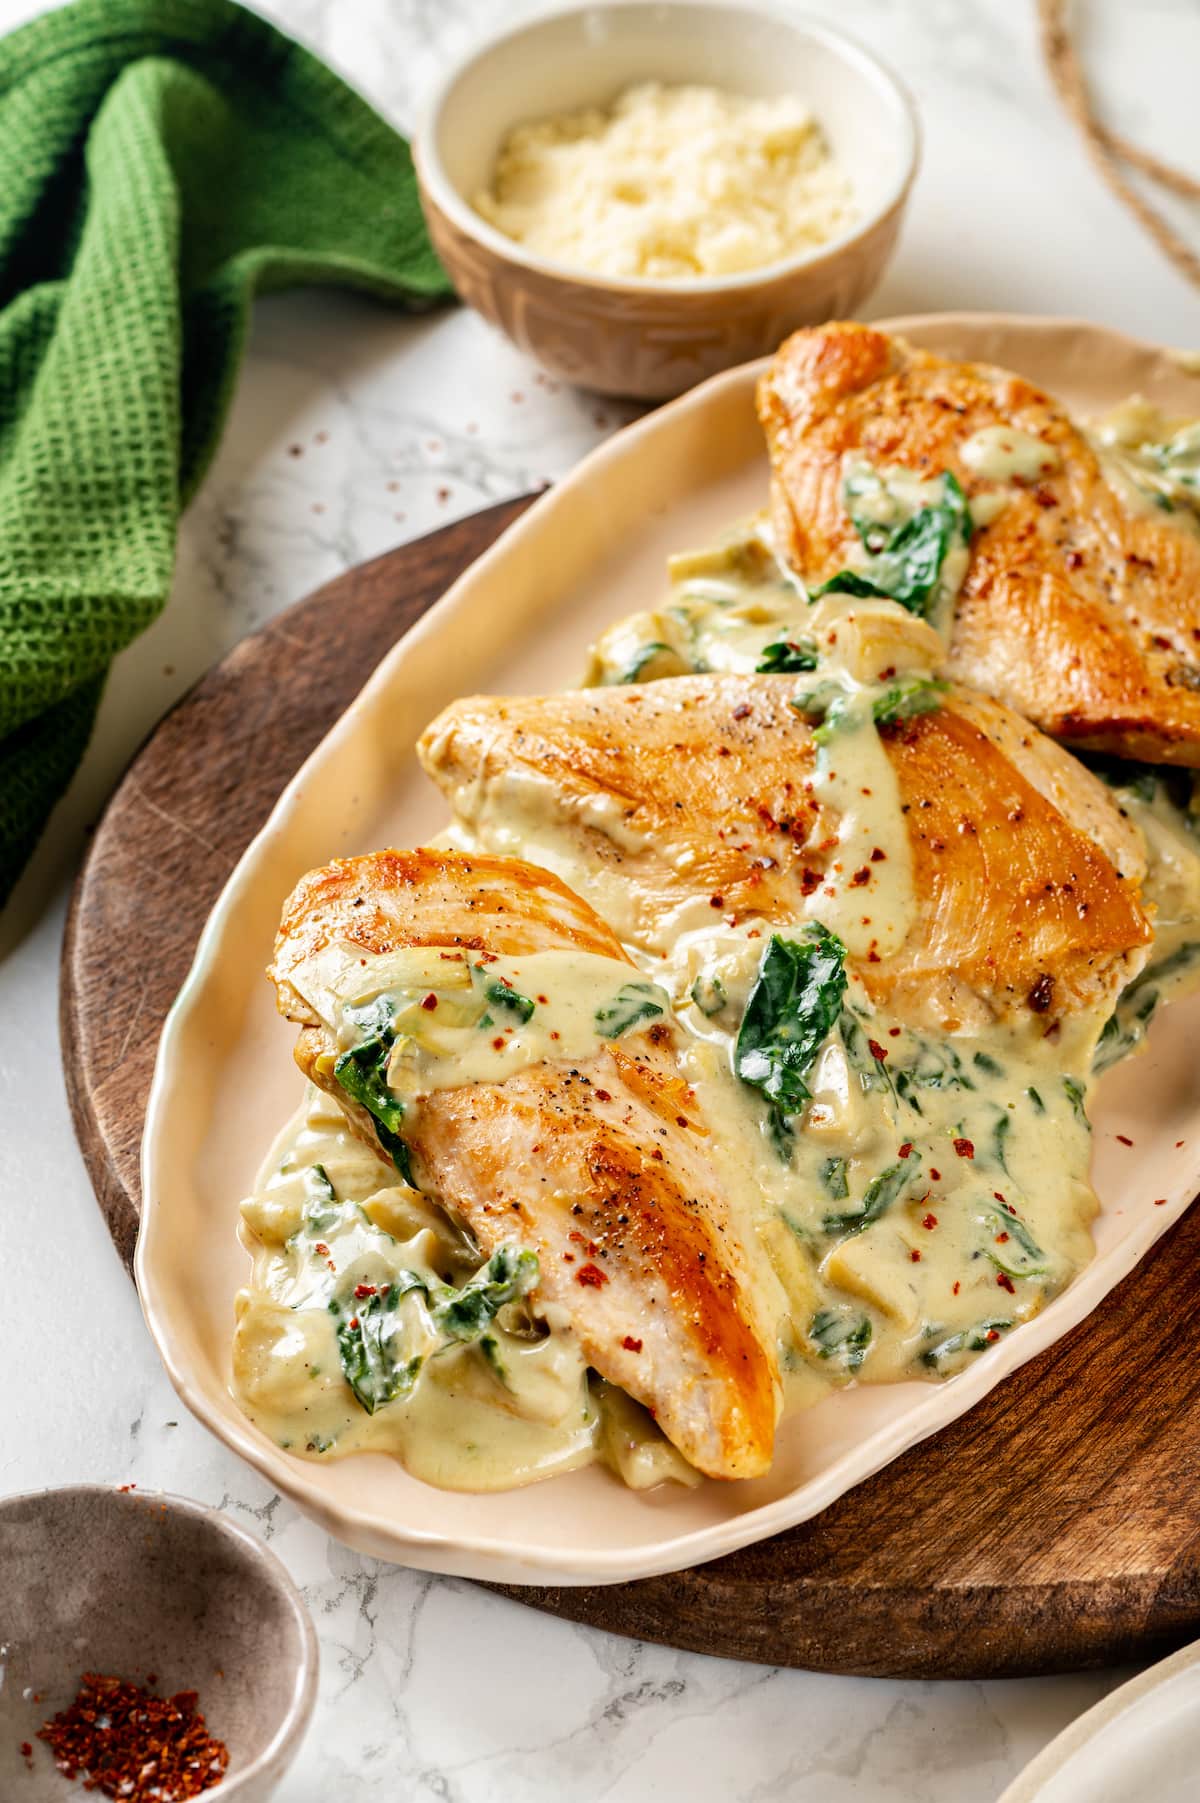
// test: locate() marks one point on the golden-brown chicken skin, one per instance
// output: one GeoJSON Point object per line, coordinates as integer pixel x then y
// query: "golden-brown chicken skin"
{"type": "Point", "coordinates": [598, 1165]}
{"type": "Point", "coordinates": [700, 787]}
{"type": "Point", "coordinates": [1078, 610]}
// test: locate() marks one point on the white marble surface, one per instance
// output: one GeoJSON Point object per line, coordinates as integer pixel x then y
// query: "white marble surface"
{"type": "Point", "coordinates": [431, 1689]}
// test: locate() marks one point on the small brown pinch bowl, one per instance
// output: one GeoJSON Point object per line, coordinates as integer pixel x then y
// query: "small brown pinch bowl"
{"type": "Point", "coordinates": [128, 1584]}
{"type": "Point", "coordinates": [634, 336]}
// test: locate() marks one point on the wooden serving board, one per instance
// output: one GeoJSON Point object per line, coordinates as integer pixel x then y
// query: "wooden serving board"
{"type": "Point", "coordinates": [1055, 1526]}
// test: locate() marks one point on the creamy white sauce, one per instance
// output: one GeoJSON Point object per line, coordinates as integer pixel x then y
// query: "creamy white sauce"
{"type": "Point", "coordinates": [1162, 804]}
{"type": "Point", "coordinates": [473, 1017]}
{"type": "Point", "coordinates": [1151, 459]}
{"type": "Point", "coordinates": [988, 1154]}
{"type": "Point", "coordinates": [998, 453]}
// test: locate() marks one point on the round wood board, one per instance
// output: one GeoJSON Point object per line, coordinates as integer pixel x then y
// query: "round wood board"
{"type": "Point", "coordinates": [1053, 1527]}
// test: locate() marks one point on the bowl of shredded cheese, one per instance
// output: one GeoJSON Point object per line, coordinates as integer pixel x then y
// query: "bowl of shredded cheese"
{"type": "Point", "coordinates": [641, 194]}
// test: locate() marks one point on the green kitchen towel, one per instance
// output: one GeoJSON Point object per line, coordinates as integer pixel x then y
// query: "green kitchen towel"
{"type": "Point", "coordinates": [160, 162]}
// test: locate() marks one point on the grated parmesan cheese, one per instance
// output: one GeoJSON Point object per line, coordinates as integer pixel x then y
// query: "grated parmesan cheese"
{"type": "Point", "coordinates": [670, 183]}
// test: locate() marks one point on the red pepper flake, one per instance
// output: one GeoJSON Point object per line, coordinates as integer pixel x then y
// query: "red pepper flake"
{"type": "Point", "coordinates": [930, 1221]}
{"type": "Point", "coordinates": [1074, 560]}
{"type": "Point", "coordinates": [957, 1288]}
{"type": "Point", "coordinates": [354, 1321]}
{"type": "Point", "coordinates": [26, 1749]}
{"type": "Point", "coordinates": [591, 1274]}
{"type": "Point", "coordinates": [681, 1120]}
{"type": "Point", "coordinates": [1001, 1238]}
{"type": "Point", "coordinates": [1006, 1282]}
{"type": "Point", "coordinates": [905, 1149]}
{"type": "Point", "coordinates": [809, 880]}
{"type": "Point", "coordinates": [630, 1344]}
{"type": "Point", "coordinates": [1124, 1139]}
{"type": "Point", "coordinates": [321, 1249]}
{"type": "Point", "coordinates": [742, 711]}
{"type": "Point", "coordinates": [1160, 1202]}
{"type": "Point", "coordinates": [860, 877]}
{"type": "Point", "coordinates": [133, 1744]}
{"type": "Point", "coordinates": [936, 1175]}
{"type": "Point", "coordinates": [362, 1290]}
{"type": "Point", "coordinates": [877, 1051]}
{"type": "Point", "coordinates": [498, 1042]}
{"type": "Point", "coordinates": [602, 1095]}
{"type": "Point", "coordinates": [894, 1032]}
{"type": "Point", "coordinates": [716, 901]}
{"type": "Point", "coordinates": [543, 999]}
{"type": "Point", "coordinates": [964, 1148]}
{"type": "Point", "coordinates": [915, 1256]}
{"type": "Point", "coordinates": [993, 1334]}
{"type": "Point", "coordinates": [429, 1001]}
{"type": "Point", "coordinates": [878, 855]}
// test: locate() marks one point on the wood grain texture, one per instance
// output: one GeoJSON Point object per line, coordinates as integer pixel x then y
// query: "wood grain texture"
{"type": "Point", "coordinates": [1056, 1526]}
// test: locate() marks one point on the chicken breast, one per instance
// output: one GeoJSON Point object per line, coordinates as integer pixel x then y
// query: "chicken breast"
{"type": "Point", "coordinates": [693, 800]}
{"type": "Point", "coordinates": [597, 1162]}
{"type": "Point", "coordinates": [1078, 609]}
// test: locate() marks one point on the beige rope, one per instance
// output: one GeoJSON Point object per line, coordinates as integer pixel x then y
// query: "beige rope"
{"type": "Point", "coordinates": [1108, 149]}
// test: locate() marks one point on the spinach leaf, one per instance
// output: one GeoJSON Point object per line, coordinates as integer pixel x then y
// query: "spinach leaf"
{"type": "Point", "coordinates": [369, 1339]}
{"type": "Point", "coordinates": [840, 1336]}
{"type": "Point", "coordinates": [510, 1273]}
{"type": "Point", "coordinates": [1077, 1096]}
{"type": "Point", "coordinates": [907, 560]}
{"type": "Point", "coordinates": [362, 1073]}
{"type": "Point", "coordinates": [833, 1176]}
{"type": "Point", "coordinates": [989, 1064]}
{"type": "Point", "coordinates": [972, 1339]}
{"type": "Point", "coordinates": [1000, 1133]}
{"type": "Point", "coordinates": [371, 1017]}
{"type": "Point", "coordinates": [836, 709]}
{"type": "Point", "coordinates": [642, 658]}
{"type": "Point", "coordinates": [872, 1071]}
{"type": "Point", "coordinates": [1035, 1100]}
{"type": "Point", "coordinates": [936, 1066]}
{"type": "Point", "coordinates": [369, 1328]}
{"type": "Point", "coordinates": [878, 1197]}
{"type": "Point", "coordinates": [508, 1000]}
{"type": "Point", "coordinates": [489, 1346]}
{"type": "Point", "coordinates": [1019, 1255]}
{"type": "Point", "coordinates": [905, 700]}
{"type": "Point", "coordinates": [320, 1201]}
{"type": "Point", "coordinates": [796, 999]}
{"type": "Point", "coordinates": [830, 705]}
{"type": "Point", "coordinates": [709, 995]}
{"type": "Point", "coordinates": [633, 1003]}
{"type": "Point", "coordinates": [785, 655]}
{"type": "Point", "coordinates": [1136, 1006]}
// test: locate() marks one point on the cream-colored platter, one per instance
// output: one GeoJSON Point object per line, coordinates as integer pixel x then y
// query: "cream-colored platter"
{"type": "Point", "coordinates": [520, 620]}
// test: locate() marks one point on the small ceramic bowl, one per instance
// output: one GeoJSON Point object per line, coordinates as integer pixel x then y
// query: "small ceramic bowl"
{"type": "Point", "coordinates": [131, 1584]}
{"type": "Point", "coordinates": [640, 337]}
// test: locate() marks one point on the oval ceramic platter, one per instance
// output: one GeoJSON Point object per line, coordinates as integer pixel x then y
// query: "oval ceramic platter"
{"type": "Point", "coordinates": [1140, 1741]}
{"type": "Point", "coordinates": [520, 620]}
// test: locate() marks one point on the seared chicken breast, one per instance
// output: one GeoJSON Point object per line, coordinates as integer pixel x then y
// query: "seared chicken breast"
{"type": "Point", "coordinates": [594, 1160]}
{"type": "Point", "coordinates": [1078, 608]}
{"type": "Point", "coordinates": [693, 799]}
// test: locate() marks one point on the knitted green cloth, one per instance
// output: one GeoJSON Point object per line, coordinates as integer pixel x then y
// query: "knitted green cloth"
{"type": "Point", "coordinates": [160, 161]}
